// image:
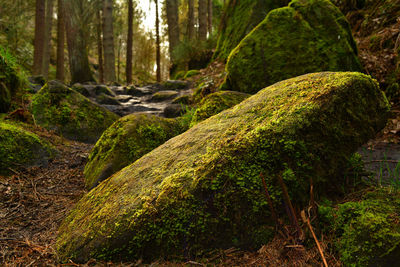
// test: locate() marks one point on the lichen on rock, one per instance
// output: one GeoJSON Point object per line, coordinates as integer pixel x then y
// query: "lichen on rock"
{"type": "Point", "coordinates": [59, 108]}
{"type": "Point", "coordinates": [125, 141]}
{"type": "Point", "coordinates": [19, 147]}
{"type": "Point", "coordinates": [306, 36]}
{"type": "Point", "coordinates": [201, 190]}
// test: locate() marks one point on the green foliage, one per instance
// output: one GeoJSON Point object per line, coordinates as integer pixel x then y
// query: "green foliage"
{"type": "Point", "coordinates": [191, 73]}
{"type": "Point", "coordinates": [291, 41]}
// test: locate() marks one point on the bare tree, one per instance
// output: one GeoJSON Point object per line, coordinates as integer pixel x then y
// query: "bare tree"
{"type": "Point", "coordinates": [190, 29]}
{"type": "Point", "coordinates": [108, 41]}
{"type": "Point", "coordinates": [100, 47]}
{"type": "Point", "coordinates": [47, 39]}
{"type": "Point", "coordinates": [173, 25]}
{"type": "Point", "coordinates": [129, 43]}
{"type": "Point", "coordinates": [158, 46]}
{"type": "Point", "coordinates": [39, 37]}
{"type": "Point", "coordinates": [210, 16]}
{"type": "Point", "coordinates": [202, 20]}
{"type": "Point", "coordinates": [60, 71]}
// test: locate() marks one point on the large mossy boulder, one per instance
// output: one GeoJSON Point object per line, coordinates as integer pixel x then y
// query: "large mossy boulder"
{"type": "Point", "coordinates": [59, 108]}
{"type": "Point", "coordinates": [367, 231]}
{"type": "Point", "coordinates": [11, 79]}
{"type": "Point", "coordinates": [202, 190]}
{"type": "Point", "coordinates": [21, 148]}
{"type": "Point", "coordinates": [307, 36]}
{"type": "Point", "coordinates": [215, 103]}
{"type": "Point", "coordinates": [240, 17]}
{"type": "Point", "coordinates": [125, 141]}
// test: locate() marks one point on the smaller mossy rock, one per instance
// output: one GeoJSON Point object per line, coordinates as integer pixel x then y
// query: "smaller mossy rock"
{"type": "Point", "coordinates": [80, 88]}
{"type": "Point", "coordinates": [11, 79]}
{"type": "Point", "coordinates": [191, 73]}
{"type": "Point", "coordinates": [201, 190]}
{"type": "Point", "coordinates": [183, 99]}
{"type": "Point", "coordinates": [103, 89]}
{"type": "Point", "coordinates": [19, 147]}
{"type": "Point", "coordinates": [107, 99]}
{"type": "Point", "coordinates": [307, 36]}
{"type": "Point", "coordinates": [59, 108]}
{"type": "Point", "coordinates": [179, 75]}
{"type": "Point", "coordinates": [215, 103]}
{"type": "Point", "coordinates": [174, 110]}
{"type": "Point", "coordinates": [240, 17]}
{"type": "Point", "coordinates": [125, 141]}
{"type": "Point", "coordinates": [367, 232]}
{"type": "Point", "coordinates": [164, 95]}
{"type": "Point", "coordinates": [175, 85]}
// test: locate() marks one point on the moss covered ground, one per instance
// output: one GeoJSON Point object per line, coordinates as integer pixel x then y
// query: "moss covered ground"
{"type": "Point", "coordinates": [201, 189]}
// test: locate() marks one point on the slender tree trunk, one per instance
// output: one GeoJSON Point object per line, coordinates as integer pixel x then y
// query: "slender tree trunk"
{"type": "Point", "coordinates": [100, 48]}
{"type": "Point", "coordinates": [173, 26]}
{"type": "Point", "coordinates": [39, 37]}
{"type": "Point", "coordinates": [60, 72]}
{"type": "Point", "coordinates": [78, 57]}
{"type": "Point", "coordinates": [108, 41]}
{"type": "Point", "coordinates": [119, 58]}
{"type": "Point", "coordinates": [202, 20]}
{"type": "Point", "coordinates": [129, 42]}
{"type": "Point", "coordinates": [190, 29]}
{"type": "Point", "coordinates": [210, 16]}
{"type": "Point", "coordinates": [47, 42]}
{"type": "Point", "coordinates": [158, 52]}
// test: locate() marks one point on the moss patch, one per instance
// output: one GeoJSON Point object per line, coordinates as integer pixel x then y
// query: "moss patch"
{"type": "Point", "coordinates": [239, 18]}
{"type": "Point", "coordinates": [215, 103]}
{"type": "Point", "coordinates": [191, 73]}
{"type": "Point", "coordinates": [201, 189]}
{"type": "Point", "coordinates": [164, 95]}
{"type": "Point", "coordinates": [57, 107]}
{"type": "Point", "coordinates": [305, 37]}
{"type": "Point", "coordinates": [125, 141]}
{"type": "Point", "coordinates": [19, 147]}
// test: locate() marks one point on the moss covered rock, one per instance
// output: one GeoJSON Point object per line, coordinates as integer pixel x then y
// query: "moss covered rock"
{"type": "Point", "coordinates": [367, 231]}
{"type": "Point", "coordinates": [164, 95]}
{"type": "Point", "coordinates": [201, 190]}
{"type": "Point", "coordinates": [11, 79]}
{"type": "Point", "coordinates": [125, 141]}
{"type": "Point", "coordinates": [307, 36]}
{"type": "Point", "coordinates": [57, 107]}
{"type": "Point", "coordinates": [240, 17]}
{"type": "Point", "coordinates": [191, 73]}
{"type": "Point", "coordinates": [19, 147]}
{"type": "Point", "coordinates": [215, 103]}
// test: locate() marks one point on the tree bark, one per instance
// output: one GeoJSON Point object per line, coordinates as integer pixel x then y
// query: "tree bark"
{"type": "Point", "coordinates": [100, 48]}
{"type": "Point", "coordinates": [190, 30]}
{"type": "Point", "coordinates": [129, 42]}
{"type": "Point", "coordinates": [60, 72]}
{"type": "Point", "coordinates": [210, 17]}
{"type": "Point", "coordinates": [78, 56]}
{"type": "Point", "coordinates": [108, 41]}
{"type": "Point", "coordinates": [47, 39]}
{"type": "Point", "coordinates": [202, 20]}
{"type": "Point", "coordinates": [158, 52]}
{"type": "Point", "coordinates": [173, 26]}
{"type": "Point", "coordinates": [39, 37]}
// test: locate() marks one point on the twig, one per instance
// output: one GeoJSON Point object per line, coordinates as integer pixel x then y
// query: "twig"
{"type": "Point", "coordinates": [270, 203]}
{"type": "Point", "coordinates": [307, 221]}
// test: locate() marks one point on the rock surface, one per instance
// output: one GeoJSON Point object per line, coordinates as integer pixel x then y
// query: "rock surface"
{"type": "Point", "coordinates": [59, 108]}
{"type": "Point", "coordinates": [307, 36]}
{"type": "Point", "coordinates": [125, 141]}
{"type": "Point", "coordinates": [201, 190]}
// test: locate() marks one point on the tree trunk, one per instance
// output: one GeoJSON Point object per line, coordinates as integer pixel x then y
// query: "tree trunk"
{"type": "Point", "coordinates": [60, 72]}
{"type": "Point", "coordinates": [158, 52]}
{"type": "Point", "coordinates": [210, 16]}
{"type": "Point", "coordinates": [100, 48]}
{"type": "Point", "coordinates": [39, 37]}
{"type": "Point", "coordinates": [129, 43]}
{"type": "Point", "coordinates": [190, 29]}
{"type": "Point", "coordinates": [47, 39]}
{"type": "Point", "coordinates": [78, 57]}
{"type": "Point", "coordinates": [108, 41]}
{"type": "Point", "coordinates": [173, 26]}
{"type": "Point", "coordinates": [202, 20]}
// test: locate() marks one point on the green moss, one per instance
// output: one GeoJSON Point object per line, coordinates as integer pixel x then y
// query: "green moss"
{"type": "Point", "coordinates": [164, 95]}
{"type": "Point", "coordinates": [305, 37]}
{"type": "Point", "coordinates": [201, 190]}
{"type": "Point", "coordinates": [125, 141]}
{"type": "Point", "coordinates": [175, 85]}
{"type": "Point", "coordinates": [240, 17]}
{"type": "Point", "coordinates": [215, 103]}
{"type": "Point", "coordinates": [184, 100]}
{"type": "Point", "coordinates": [179, 75]}
{"type": "Point", "coordinates": [11, 79]}
{"type": "Point", "coordinates": [57, 107]}
{"type": "Point", "coordinates": [367, 231]}
{"type": "Point", "coordinates": [19, 147]}
{"type": "Point", "coordinates": [191, 73]}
